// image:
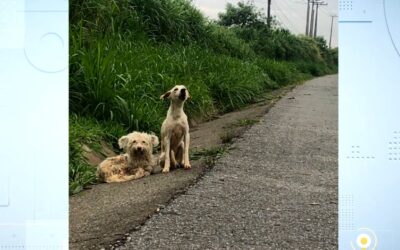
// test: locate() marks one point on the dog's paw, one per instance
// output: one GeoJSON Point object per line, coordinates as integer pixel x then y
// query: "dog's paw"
{"type": "Point", "coordinates": [187, 166]}
{"type": "Point", "coordinates": [165, 170]}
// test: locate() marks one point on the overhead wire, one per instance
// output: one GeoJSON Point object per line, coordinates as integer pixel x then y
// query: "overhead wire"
{"type": "Point", "coordinates": [294, 27]}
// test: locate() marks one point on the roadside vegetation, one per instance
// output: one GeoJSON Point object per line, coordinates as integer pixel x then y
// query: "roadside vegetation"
{"type": "Point", "coordinates": [124, 54]}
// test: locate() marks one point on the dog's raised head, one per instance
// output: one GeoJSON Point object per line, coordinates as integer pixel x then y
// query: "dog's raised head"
{"type": "Point", "coordinates": [177, 93]}
{"type": "Point", "coordinates": [138, 145]}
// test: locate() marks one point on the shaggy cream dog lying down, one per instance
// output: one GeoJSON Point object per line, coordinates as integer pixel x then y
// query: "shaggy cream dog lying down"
{"type": "Point", "coordinates": [136, 163]}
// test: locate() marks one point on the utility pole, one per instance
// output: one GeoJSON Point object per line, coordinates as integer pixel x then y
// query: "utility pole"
{"type": "Point", "coordinates": [269, 14]}
{"type": "Point", "coordinates": [330, 37]}
{"type": "Point", "coordinates": [308, 16]}
{"type": "Point", "coordinates": [316, 17]}
{"type": "Point", "coordinates": [312, 19]}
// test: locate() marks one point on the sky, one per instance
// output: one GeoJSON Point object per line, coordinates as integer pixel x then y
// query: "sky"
{"type": "Point", "coordinates": [291, 14]}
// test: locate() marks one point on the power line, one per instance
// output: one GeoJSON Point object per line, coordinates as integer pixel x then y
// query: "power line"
{"type": "Point", "coordinates": [287, 5]}
{"type": "Point", "coordinates": [308, 17]}
{"type": "Point", "coordinates": [316, 17]}
{"type": "Point", "coordinates": [280, 16]}
{"type": "Point", "coordinates": [298, 2]}
{"type": "Point", "coordinates": [310, 32]}
{"type": "Point", "coordinates": [290, 7]}
{"type": "Point", "coordinates": [287, 18]}
{"type": "Point", "coordinates": [278, 7]}
{"type": "Point", "coordinates": [269, 15]}
{"type": "Point", "coordinates": [327, 11]}
{"type": "Point", "coordinates": [281, 20]}
{"type": "Point", "coordinates": [308, 3]}
{"type": "Point", "coordinates": [313, 25]}
{"type": "Point", "coordinates": [330, 37]}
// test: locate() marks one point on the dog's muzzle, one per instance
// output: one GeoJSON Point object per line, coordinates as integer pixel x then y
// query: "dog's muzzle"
{"type": "Point", "coordinates": [138, 151]}
{"type": "Point", "coordinates": [182, 94]}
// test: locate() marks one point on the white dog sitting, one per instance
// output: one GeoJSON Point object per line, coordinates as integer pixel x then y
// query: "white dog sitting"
{"type": "Point", "coordinates": [175, 136]}
{"type": "Point", "coordinates": [136, 163]}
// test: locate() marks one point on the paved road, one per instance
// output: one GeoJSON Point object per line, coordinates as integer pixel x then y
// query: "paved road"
{"type": "Point", "coordinates": [276, 189]}
{"type": "Point", "coordinates": [102, 216]}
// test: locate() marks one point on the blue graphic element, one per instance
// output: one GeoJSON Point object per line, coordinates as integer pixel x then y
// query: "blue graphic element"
{"type": "Point", "coordinates": [392, 19]}
{"type": "Point", "coordinates": [34, 127]}
{"type": "Point", "coordinates": [369, 125]}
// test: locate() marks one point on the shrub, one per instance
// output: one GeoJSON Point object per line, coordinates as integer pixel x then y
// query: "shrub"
{"type": "Point", "coordinates": [281, 72]}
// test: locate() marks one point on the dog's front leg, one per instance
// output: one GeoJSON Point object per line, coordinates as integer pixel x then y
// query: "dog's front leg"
{"type": "Point", "coordinates": [167, 147]}
{"type": "Point", "coordinates": [186, 163]}
{"type": "Point", "coordinates": [173, 160]}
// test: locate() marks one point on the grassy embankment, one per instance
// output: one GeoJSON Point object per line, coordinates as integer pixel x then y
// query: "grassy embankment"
{"type": "Point", "coordinates": [124, 54]}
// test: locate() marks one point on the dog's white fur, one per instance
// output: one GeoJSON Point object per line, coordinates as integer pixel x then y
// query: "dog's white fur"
{"type": "Point", "coordinates": [175, 137]}
{"type": "Point", "coordinates": [136, 163]}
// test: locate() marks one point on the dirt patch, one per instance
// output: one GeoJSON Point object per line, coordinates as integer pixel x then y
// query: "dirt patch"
{"type": "Point", "coordinates": [217, 131]}
{"type": "Point", "coordinates": [93, 157]}
{"type": "Point", "coordinates": [104, 215]}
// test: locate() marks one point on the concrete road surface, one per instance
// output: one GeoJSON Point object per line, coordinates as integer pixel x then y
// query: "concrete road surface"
{"type": "Point", "coordinates": [276, 188]}
{"type": "Point", "coordinates": [104, 215]}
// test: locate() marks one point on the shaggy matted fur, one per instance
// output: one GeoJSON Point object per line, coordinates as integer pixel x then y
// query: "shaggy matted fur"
{"type": "Point", "coordinates": [136, 163]}
{"type": "Point", "coordinates": [175, 136]}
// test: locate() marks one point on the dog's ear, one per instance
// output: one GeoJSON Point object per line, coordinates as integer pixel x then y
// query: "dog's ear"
{"type": "Point", "coordinates": [188, 97]}
{"type": "Point", "coordinates": [165, 95]}
{"type": "Point", "coordinates": [122, 142]}
{"type": "Point", "coordinates": [154, 139]}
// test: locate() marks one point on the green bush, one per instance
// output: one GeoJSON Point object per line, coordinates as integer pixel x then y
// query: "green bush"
{"type": "Point", "coordinates": [281, 72]}
{"type": "Point", "coordinates": [225, 41]}
{"type": "Point", "coordinates": [171, 21]}
{"type": "Point", "coordinates": [314, 69]}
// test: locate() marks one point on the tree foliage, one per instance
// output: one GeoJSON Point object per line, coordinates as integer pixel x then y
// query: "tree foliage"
{"type": "Point", "coordinates": [250, 24]}
{"type": "Point", "coordinates": [243, 15]}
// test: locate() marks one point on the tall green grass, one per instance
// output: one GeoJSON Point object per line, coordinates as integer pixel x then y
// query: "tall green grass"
{"type": "Point", "coordinates": [90, 133]}
{"type": "Point", "coordinates": [123, 81]}
{"type": "Point", "coordinates": [124, 54]}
